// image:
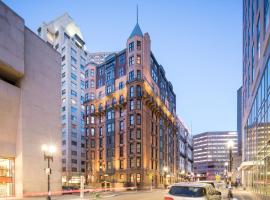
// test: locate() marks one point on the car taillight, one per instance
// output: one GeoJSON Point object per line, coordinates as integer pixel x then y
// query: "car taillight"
{"type": "Point", "coordinates": [168, 198]}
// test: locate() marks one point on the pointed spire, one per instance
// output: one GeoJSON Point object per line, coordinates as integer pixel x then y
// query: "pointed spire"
{"type": "Point", "coordinates": [137, 30]}
{"type": "Point", "coordinates": [137, 14]}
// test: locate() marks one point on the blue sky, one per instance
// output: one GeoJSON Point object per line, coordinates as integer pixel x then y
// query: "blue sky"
{"type": "Point", "coordinates": [199, 44]}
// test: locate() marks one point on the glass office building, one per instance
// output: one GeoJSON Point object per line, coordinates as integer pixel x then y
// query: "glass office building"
{"type": "Point", "coordinates": [255, 165]}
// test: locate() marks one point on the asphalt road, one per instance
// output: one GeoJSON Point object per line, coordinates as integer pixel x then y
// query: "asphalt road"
{"type": "Point", "coordinates": [142, 195]}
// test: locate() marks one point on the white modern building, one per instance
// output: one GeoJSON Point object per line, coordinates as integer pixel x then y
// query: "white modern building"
{"type": "Point", "coordinates": [29, 109]}
{"type": "Point", "coordinates": [65, 36]}
{"type": "Point", "coordinates": [211, 152]}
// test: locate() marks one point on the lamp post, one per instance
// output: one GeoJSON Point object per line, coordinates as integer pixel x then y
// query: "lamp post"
{"type": "Point", "coordinates": [48, 151]}
{"type": "Point", "coordinates": [165, 169]}
{"type": "Point", "coordinates": [226, 171]}
{"type": "Point", "coordinates": [230, 146]}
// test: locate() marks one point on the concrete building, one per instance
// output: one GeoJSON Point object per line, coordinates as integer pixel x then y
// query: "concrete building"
{"type": "Point", "coordinates": [184, 149]}
{"type": "Point", "coordinates": [65, 36]}
{"type": "Point", "coordinates": [29, 108]}
{"type": "Point", "coordinates": [255, 89]}
{"type": "Point", "coordinates": [211, 153]}
{"type": "Point", "coordinates": [239, 120]}
{"type": "Point", "coordinates": [130, 120]}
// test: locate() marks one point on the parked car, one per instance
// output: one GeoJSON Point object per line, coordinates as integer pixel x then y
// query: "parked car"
{"type": "Point", "coordinates": [192, 191]}
{"type": "Point", "coordinates": [70, 189]}
{"type": "Point", "coordinates": [213, 185]}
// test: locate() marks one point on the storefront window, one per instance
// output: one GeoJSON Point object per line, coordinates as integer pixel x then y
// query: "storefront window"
{"type": "Point", "coordinates": [6, 177]}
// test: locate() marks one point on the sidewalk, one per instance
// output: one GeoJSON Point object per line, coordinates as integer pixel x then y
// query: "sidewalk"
{"type": "Point", "coordinates": [87, 196]}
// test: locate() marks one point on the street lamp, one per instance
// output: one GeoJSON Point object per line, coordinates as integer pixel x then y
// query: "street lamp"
{"type": "Point", "coordinates": [165, 169]}
{"type": "Point", "coordinates": [48, 151]}
{"type": "Point", "coordinates": [230, 146]}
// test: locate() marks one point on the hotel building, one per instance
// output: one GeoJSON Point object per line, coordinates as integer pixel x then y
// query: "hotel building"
{"type": "Point", "coordinates": [256, 101]}
{"type": "Point", "coordinates": [211, 153]}
{"type": "Point", "coordinates": [65, 36]}
{"type": "Point", "coordinates": [29, 108]}
{"type": "Point", "coordinates": [130, 119]}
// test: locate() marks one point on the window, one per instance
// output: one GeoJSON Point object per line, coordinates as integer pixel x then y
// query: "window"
{"type": "Point", "coordinates": [73, 93]}
{"type": "Point", "coordinates": [266, 14]}
{"type": "Point", "coordinates": [138, 148]}
{"type": "Point", "coordinates": [138, 179]}
{"type": "Point", "coordinates": [131, 148]}
{"type": "Point", "coordinates": [121, 151]}
{"type": "Point", "coordinates": [74, 161]}
{"type": "Point", "coordinates": [131, 134]}
{"type": "Point", "coordinates": [138, 162]}
{"type": "Point", "coordinates": [92, 143]}
{"type": "Point", "coordinates": [92, 83]}
{"type": "Point", "coordinates": [92, 119]}
{"type": "Point", "coordinates": [122, 59]}
{"type": "Point", "coordinates": [73, 68]}
{"type": "Point", "coordinates": [139, 74]}
{"type": "Point", "coordinates": [121, 125]}
{"type": "Point", "coordinates": [121, 164]}
{"type": "Point", "coordinates": [139, 91]}
{"type": "Point", "coordinates": [73, 52]}
{"type": "Point", "coordinates": [74, 153]}
{"type": "Point", "coordinates": [139, 59]}
{"type": "Point", "coordinates": [258, 38]}
{"type": "Point", "coordinates": [63, 91]}
{"type": "Point", "coordinates": [92, 96]}
{"type": "Point", "coordinates": [86, 73]}
{"type": "Point", "coordinates": [131, 61]}
{"type": "Point", "coordinates": [139, 104]}
{"type": "Point", "coordinates": [92, 131]}
{"type": "Point", "coordinates": [74, 85]}
{"type": "Point", "coordinates": [73, 109]}
{"type": "Point", "coordinates": [121, 99]}
{"type": "Point", "coordinates": [86, 84]}
{"type": "Point", "coordinates": [131, 119]}
{"type": "Point", "coordinates": [132, 163]}
{"type": "Point", "coordinates": [131, 105]}
{"type": "Point", "coordinates": [100, 131]}
{"type": "Point", "coordinates": [92, 72]}
{"type": "Point", "coordinates": [139, 120]}
{"type": "Point", "coordinates": [121, 71]}
{"type": "Point", "coordinates": [82, 68]}
{"type": "Point", "coordinates": [92, 108]}
{"type": "Point", "coordinates": [139, 45]}
{"type": "Point", "coordinates": [63, 58]}
{"type": "Point", "coordinates": [131, 92]}
{"type": "Point", "coordinates": [73, 76]}
{"type": "Point", "coordinates": [131, 47]}
{"type": "Point", "coordinates": [138, 134]}
{"type": "Point", "coordinates": [73, 61]}
{"type": "Point", "coordinates": [121, 85]}
{"type": "Point", "coordinates": [121, 139]}
{"type": "Point", "coordinates": [100, 71]}
{"type": "Point", "coordinates": [73, 143]}
{"type": "Point", "coordinates": [63, 74]}
{"type": "Point", "coordinates": [131, 76]}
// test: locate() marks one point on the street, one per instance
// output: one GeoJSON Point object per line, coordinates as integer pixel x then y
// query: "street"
{"type": "Point", "coordinates": [141, 195]}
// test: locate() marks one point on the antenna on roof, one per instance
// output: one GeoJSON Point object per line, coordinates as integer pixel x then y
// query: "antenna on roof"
{"type": "Point", "coordinates": [137, 14]}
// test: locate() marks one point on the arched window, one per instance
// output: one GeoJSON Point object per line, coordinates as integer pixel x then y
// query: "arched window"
{"type": "Point", "coordinates": [139, 119]}
{"type": "Point", "coordinates": [92, 108]}
{"type": "Point", "coordinates": [131, 92]}
{"type": "Point", "coordinates": [139, 91]}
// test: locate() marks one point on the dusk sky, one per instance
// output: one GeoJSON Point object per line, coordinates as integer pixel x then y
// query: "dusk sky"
{"type": "Point", "coordinates": [199, 44]}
